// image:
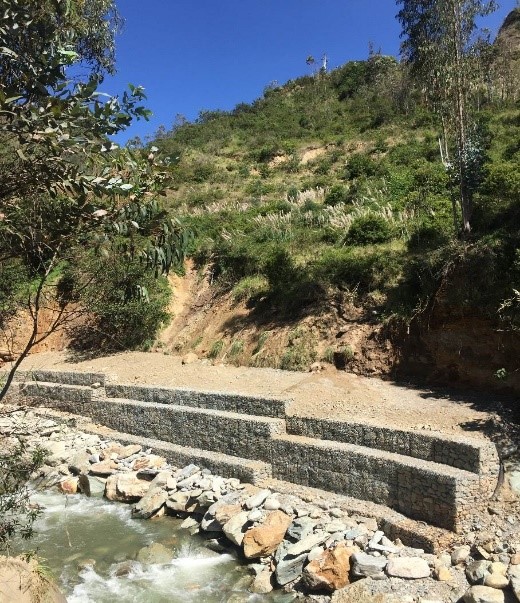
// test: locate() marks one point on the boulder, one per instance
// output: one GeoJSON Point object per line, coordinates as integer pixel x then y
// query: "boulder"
{"type": "Point", "coordinates": [496, 581]}
{"type": "Point", "coordinates": [514, 577]}
{"type": "Point", "coordinates": [289, 568]}
{"type": "Point", "coordinates": [476, 571]}
{"type": "Point", "coordinates": [181, 502]}
{"type": "Point", "coordinates": [154, 553]}
{"type": "Point", "coordinates": [367, 566]}
{"type": "Point", "coordinates": [69, 485]}
{"type": "Point", "coordinates": [364, 591]}
{"type": "Point", "coordinates": [410, 568]}
{"type": "Point", "coordinates": [483, 594]}
{"type": "Point", "coordinates": [234, 529]}
{"type": "Point", "coordinates": [104, 468]}
{"type": "Point", "coordinates": [80, 463]}
{"type": "Point", "coordinates": [125, 487]}
{"type": "Point", "coordinates": [151, 503]}
{"type": "Point", "coordinates": [329, 571]}
{"type": "Point", "coordinates": [263, 582]}
{"type": "Point", "coordinates": [130, 450]}
{"type": "Point", "coordinates": [257, 499]}
{"type": "Point", "coordinates": [307, 544]}
{"type": "Point", "coordinates": [264, 539]}
{"type": "Point", "coordinates": [460, 554]}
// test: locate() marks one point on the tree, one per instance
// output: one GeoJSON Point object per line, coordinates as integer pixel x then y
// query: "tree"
{"type": "Point", "coordinates": [440, 43]}
{"type": "Point", "coordinates": [63, 184]}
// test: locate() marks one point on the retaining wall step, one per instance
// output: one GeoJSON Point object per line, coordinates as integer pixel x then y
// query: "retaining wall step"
{"type": "Point", "coordinates": [427, 491]}
{"type": "Point", "coordinates": [253, 472]}
{"type": "Point", "coordinates": [219, 431]}
{"type": "Point", "coordinates": [251, 405]}
{"type": "Point", "coordinates": [470, 454]}
{"type": "Point", "coordinates": [64, 377]}
{"type": "Point", "coordinates": [61, 393]}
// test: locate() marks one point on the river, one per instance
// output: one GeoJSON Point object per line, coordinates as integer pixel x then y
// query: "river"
{"type": "Point", "coordinates": [74, 529]}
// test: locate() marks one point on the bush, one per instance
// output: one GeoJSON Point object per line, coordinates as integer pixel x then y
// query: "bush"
{"type": "Point", "coordinates": [370, 229]}
{"type": "Point", "coordinates": [127, 303]}
{"type": "Point", "coordinates": [336, 195]}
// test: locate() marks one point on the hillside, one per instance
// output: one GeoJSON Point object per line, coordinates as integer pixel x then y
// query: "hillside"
{"type": "Point", "coordinates": [324, 230]}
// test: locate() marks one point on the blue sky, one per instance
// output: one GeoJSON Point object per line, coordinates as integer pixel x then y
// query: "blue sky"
{"type": "Point", "coordinates": [212, 54]}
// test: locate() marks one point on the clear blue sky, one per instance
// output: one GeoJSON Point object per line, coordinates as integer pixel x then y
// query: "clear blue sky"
{"type": "Point", "coordinates": [212, 54]}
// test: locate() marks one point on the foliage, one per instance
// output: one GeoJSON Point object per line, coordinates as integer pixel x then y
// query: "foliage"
{"type": "Point", "coordinates": [65, 184]}
{"type": "Point", "coordinates": [17, 515]}
{"type": "Point", "coordinates": [300, 352]}
{"type": "Point", "coordinates": [368, 230]}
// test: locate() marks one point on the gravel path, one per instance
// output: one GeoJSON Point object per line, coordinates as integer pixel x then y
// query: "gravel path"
{"type": "Point", "coordinates": [328, 394]}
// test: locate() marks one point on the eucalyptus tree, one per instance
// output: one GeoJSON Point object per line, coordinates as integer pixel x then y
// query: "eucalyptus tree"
{"type": "Point", "coordinates": [63, 184]}
{"type": "Point", "coordinates": [441, 40]}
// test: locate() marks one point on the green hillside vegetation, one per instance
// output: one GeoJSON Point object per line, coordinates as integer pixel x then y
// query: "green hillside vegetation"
{"type": "Point", "coordinates": [335, 181]}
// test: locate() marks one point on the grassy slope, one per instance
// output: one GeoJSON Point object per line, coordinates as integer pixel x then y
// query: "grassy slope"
{"type": "Point", "coordinates": [333, 183]}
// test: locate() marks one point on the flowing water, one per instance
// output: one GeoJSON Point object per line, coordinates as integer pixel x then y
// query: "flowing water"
{"type": "Point", "coordinates": [74, 529]}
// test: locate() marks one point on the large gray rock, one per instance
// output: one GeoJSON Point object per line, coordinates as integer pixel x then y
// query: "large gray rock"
{"type": "Point", "coordinates": [257, 499]}
{"type": "Point", "coordinates": [367, 566]}
{"type": "Point", "coordinates": [235, 528]}
{"type": "Point", "coordinates": [483, 594]}
{"type": "Point", "coordinates": [301, 527]}
{"type": "Point", "coordinates": [151, 503]}
{"type": "Point", "coordinates": [476, 571]}
{"type": "Point", "coordinates": [154, 553]}
{"type": "Point", "coordinates": [411, 568]}
{"type": "Point", "coordinates": [308, 543]}
{"type": "Point", "coordinates": [514, 577]}
{"type": "Point", "coordinates": [289, 568]}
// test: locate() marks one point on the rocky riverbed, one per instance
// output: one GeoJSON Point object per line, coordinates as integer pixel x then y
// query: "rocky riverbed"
{"type": "Point", "coordinates": [292, 547]}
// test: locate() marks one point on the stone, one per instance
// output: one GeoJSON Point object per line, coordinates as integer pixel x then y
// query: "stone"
{"type": "Point", "coordinates": [262, 583]}
{"type": "Point", "coordinates": [515, 559]}
{"type": "Point", "coordinates": [300, 528]}
{"type": "Point", "coordinates": [189, 358]}
{"type": "Point", "coordinates": [483, 594]}
{"type": "Point", "coordinates": [443, 574]}
{"type": "Point", "coordinates": [104, 468]}
{"type": "Point", "coordinates": [307, 543]}
{"type": "Point", "coordinates": [255, 515]}
{"type": "Point", "coordinates": [154, 553]}
{"type": "Point", "coordinates": [476, 571]}
{"type": "Point", "coordinates": [330, 571]}
{"type": "Point", "coordinates": [498, 568]}
{"type": "Point", "coordinates": [289, 569]}
{"type": "Point", "coordinates": [125, 487]}
{"type": "Point", "coordinates": [234, 529]}
{"type": "Point", "coordinates": [69, 485]}
{"type": "Point", "coordinates": [264, 539]}
{"type": "Point", "coordinates": [130, 450]}
{"type": "Point", "coordinates": [460, 554]}
{"type": "Point", "coordinates": [181, 502]}
{"type": "Point", "coordinates": [410, 568]}
{"type": "Point", "coordinates": [335, 526]}
{"type": "Point", "coordinates": [150, 461]}
{"type": "Point", "coordinates": [224, 512]}
{"type": "Point", "coordinates": [151, 503]}
{"type": "Point", "coordinates": [496, 581]}
{"type": "Point", "coordinates": [514, 577]}
{"type": "Point", "coordinates": [272, 503]}
{"type": "Point", "coordinates": [58, 452]}
{"type": "Point", "coordinates": [80, 463]}
{"type": "Point", "coordinates": [367, 566]}
{"type": "Point", "coordinates": [257, 499]}
{"type": "Point", "coordinates": [189, 523]}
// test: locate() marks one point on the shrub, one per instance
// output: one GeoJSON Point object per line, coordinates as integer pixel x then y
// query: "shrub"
{"type": "Point", "coordinates": [300, 352]}
{"type": "Point", "coordinates": [216, 349]}
{"type": "Point", "coordinates": [127, 303]}
{"type": "Point", "coordinates": [336, 195]}
{"type": "Point", "coordinates": [370, 229]}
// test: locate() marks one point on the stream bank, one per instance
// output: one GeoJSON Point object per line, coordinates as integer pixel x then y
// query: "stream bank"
{"type": "Point", "coordinates": [288, 544]}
